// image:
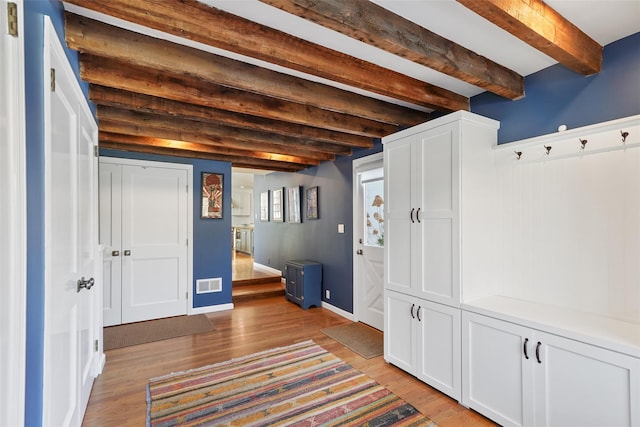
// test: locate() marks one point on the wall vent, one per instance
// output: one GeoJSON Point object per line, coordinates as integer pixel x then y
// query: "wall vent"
{"type": "Point", "coordinates": [206, 286]}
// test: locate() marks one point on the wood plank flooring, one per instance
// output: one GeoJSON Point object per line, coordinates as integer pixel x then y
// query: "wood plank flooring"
{"type": "Point", "coordinates": [118, 397]}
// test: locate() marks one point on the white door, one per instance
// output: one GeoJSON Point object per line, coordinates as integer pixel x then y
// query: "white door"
{"type": "Point", "coordinates": [369, 241]}
{"type": "Point", "coordinates": [70, 210]}
{"type": "Point", "coordinates": [400, 338]}
{"type": "Point", "coordinates": [13, 252]}
{"type": "Point", "coordinates": [583, 385]}
{"type": "Point", "coordinates": [496, 369]}
{"type": "Point", "coordinates": [111, 238]}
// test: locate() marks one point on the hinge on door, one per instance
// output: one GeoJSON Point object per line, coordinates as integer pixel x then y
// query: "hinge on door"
{"type": "Point", "coordinates": [53, 80]}
{"type": "Point", "coordinates": [95, 151]}
{"type": "Point", "coordinates": [187, 241]}
{"type": "Point", "coordinates": [95, 345]}
{"type": "Point", "coordinates": [12, 19]}
{"type": "Point", "coordinates": [186, 295]}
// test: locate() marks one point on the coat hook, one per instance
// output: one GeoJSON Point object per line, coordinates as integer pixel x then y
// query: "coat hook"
{"type": "Point", "coordinates": [583, 142]}
{"type": "Point", "coordinates": [518, 154]}
{"type": "Point", "coordinates": [624, 136]}
{"type": "Point", "coordinates": [548, 148]}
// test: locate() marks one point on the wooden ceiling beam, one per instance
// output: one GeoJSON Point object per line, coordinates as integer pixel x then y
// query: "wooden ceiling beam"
{"type": "Point", "coordinates": [324, 150]}
{"type": "Point", "coordinates": [90, 36]}
{"type": "Point", "coordinates": [221, 135]}
{"type": "Point", "coordinates": [540, 26]}
{"type": "Point", "coordinates": [244, 162]}
{"type": "Point", "coordinates": [199, 22]}
{"type": "Point", "coordinates": [265, 159]}
{"type": "Point", "coordinates": [120, 75]}
{"type": "Point", "coordinates": [150, 104]}
{"type": "Point", "coordinates": [377, 26]}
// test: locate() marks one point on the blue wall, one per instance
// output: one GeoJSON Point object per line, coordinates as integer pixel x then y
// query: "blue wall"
{"type": "Point", "coordinates": [554, 96]}
{"type": "Point", "coordinates": [34, 12]}
{"type": "Point", "coordinates": [211, 237]}
{"type": "Point", "coordinates": [557, 96]}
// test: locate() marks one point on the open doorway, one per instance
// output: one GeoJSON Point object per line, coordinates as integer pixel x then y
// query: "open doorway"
{"type": "Point", "coordinates": [368, 240]}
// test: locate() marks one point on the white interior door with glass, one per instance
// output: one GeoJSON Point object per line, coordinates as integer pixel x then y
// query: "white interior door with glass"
{"type": "Point", "coordinates": [369, 241]}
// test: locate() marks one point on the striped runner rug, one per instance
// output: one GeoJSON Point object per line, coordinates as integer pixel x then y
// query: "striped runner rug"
{"type": "Point", "coordinates": [302, 384]}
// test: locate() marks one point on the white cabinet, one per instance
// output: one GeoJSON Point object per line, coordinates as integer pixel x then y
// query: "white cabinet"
{"type": "Point", "coordinates": [428, 170]}
{"type": "Point", "coordinates": [423, 338]}
{"type": "Point", "coordinates": [520, 376]}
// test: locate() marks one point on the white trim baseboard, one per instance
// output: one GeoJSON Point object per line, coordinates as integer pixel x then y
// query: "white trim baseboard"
{"type": "Point", "coordinates": [210, 309]}
{"type": "Point", "coordinates": [266, 268]}
{"type": "Point", "coordinates": [338, 311]}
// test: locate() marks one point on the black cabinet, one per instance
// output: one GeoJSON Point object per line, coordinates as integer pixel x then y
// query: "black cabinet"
{"type": "Point", "coordinates": [304, 282]}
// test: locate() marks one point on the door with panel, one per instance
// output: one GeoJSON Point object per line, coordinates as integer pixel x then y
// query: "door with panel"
{"type": "Point", "coordinates": [578, 384]}
{"type": "Point", "coordinates": [496, 373]}
{"type": "Point", "coordinates": [111, 239]}
{"type": "Point", "coordinates": [145, 230]}
{"type": "Point", "coordinates": [70, 210]}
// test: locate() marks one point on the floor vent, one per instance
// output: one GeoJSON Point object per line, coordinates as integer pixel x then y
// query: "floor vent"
{"type": "Point", "coordinates": [206, 286]}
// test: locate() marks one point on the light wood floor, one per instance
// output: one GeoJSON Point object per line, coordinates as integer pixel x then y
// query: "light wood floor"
{"type": "Point", "coordinates": [118, 397]}
{"type": "Point", "coordinates": [242, 268]}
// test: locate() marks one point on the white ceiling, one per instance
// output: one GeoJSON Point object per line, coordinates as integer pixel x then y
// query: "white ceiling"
{"type": "Point", "coordinates": [603, 20]}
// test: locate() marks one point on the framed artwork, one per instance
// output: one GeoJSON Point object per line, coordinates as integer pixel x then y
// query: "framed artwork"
{"type": "Point", "coordinates": [312, 203]}
{"type": "Point", "coordinates": [264, 206]}
{"type": "Point", "coordinates": [277, 205]}
{"type": "Point", "coordinates": [212, 190]}
{"type": "Point", "coordinates": [293, 203]}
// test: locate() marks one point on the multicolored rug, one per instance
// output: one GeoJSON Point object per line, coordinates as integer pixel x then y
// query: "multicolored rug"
{"type": "Point", "coordinates": [302, 385]}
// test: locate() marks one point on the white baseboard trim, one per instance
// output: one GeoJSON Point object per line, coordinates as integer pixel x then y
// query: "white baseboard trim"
{"type": "Point", "coordinates": [338, 311]}
{"type": "Point", "coordinates": [102, 360]}
{"type": "Point", "coordinates": [266, 268]}
{"type": "Point", "coordinates": [211, 309]}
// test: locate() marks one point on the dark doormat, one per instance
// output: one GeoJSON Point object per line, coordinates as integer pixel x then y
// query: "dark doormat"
{"type": "Point", "coordinates": [364, 340]}
{"type": "Point", "coordinates": [154, 330]}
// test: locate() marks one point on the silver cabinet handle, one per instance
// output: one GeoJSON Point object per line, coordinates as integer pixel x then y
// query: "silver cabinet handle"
{"type": "Point", "coordinates": [115, 253]}
{"type": "Point", "coordinates": [127, 252]}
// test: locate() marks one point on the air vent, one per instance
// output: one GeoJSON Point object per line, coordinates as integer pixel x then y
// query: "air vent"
{"type": "Point", "coordinates": [206, 286]}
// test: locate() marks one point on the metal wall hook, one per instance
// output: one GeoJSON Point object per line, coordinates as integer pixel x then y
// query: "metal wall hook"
{"type": "Point", "coordinates": [518, 154]}
{"type": "Point", "coordinates": [624, 136]}
{"type": "Point", "coordinates": [583, 143]}
{"type": "Point", "coordinates": [548, 148]}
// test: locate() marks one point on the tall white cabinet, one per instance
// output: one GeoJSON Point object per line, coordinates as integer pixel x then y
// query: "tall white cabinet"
{"type": "Point", "coordinates": [435, 174]}
{"type": "Point", "coordinates": [512, 280]}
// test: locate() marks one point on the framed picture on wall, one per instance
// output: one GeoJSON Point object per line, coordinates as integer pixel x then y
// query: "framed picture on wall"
{"type": "Point", "coordinates": [264, 206]}
{"type": "Point", "coordinates": [312, 203]}
{"type": "Point", "coordinates": [277, 205]}
{"type": "Point", "coordinates": [212, 190]}
{"type": "Point", "coordinates": [293, 204]}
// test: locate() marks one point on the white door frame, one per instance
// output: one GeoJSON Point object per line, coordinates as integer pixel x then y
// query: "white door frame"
{"type": "Point", "coordinates": [363, 164]}
{"type": "Point", "coordinates": [13, 212]}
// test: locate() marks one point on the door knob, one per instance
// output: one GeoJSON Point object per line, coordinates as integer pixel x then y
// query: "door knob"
{"type": "Point", "coordinates": [127, 252]}
{"type": "Point", "coordinates": [86, 284]}
{"type": "Point", "coordinates": [359, 252]}
{"type": "Point", "coordinates": [115, 253]}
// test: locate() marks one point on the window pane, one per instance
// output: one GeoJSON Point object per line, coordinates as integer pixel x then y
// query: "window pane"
{"type": "Point", "coordinates": [374, 211]}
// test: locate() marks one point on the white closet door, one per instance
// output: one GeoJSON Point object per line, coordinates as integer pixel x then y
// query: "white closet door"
{"type": "Point", "coordinates": [111, 238]}
{"type": "Point", "coordinates": [154, 242]}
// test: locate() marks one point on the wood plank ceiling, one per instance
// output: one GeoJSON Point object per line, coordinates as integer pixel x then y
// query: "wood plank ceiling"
{"type": "Point", "coordinates": [157, 96]}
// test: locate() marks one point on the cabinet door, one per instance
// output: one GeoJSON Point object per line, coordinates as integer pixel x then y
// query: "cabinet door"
{"type": "Point", "coordinates": [401, 227]}
{"type": "Point", "coordinates": [439, 328]}
{"type": "Point", "coordinates": [496, 375]}
{"type": "Point", "coordinates": [399, 336]}
{"type": "Point", "coordinates": [437, 267]}
{"type": "Point", "coordinates": [582, 385]}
